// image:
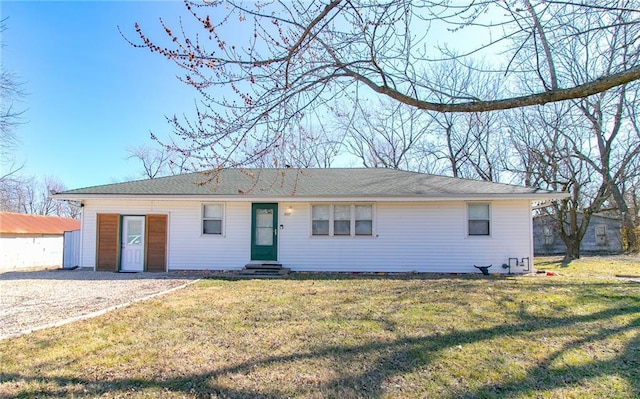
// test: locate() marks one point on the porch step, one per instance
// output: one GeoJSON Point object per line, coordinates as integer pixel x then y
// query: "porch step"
{"type": "Point", "coordinates": [265, 269]}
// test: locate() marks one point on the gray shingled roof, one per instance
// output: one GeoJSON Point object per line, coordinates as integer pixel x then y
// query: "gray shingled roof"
{"type": "Point", "coordinates": [310, 183]}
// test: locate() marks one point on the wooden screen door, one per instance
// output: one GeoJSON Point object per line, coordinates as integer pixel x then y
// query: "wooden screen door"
{"type": "Point", "coordinates": [264, 232]}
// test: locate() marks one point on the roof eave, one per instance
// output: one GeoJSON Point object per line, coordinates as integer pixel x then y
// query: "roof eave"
{"type": "Point", "coordinates": [300, 198]}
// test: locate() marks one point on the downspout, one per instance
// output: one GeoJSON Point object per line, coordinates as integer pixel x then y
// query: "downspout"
{"type": "Point", "coordinates": [532, 268]}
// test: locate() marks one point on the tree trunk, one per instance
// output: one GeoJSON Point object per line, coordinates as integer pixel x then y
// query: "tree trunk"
{"type": "Point", "coordinates": [629, 237]}
{"type": "Point", "coordinates": [629, 234]}
{"type": "Point", "coordinates": [572, 228]}
{"type": "Point", "coordinates": [573, 251]}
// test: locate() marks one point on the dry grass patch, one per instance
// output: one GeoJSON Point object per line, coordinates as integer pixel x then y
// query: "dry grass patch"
{"type": "Point", "coordinates": [592, 266]}
{"type": "Point", "coordinates": [318, 336]}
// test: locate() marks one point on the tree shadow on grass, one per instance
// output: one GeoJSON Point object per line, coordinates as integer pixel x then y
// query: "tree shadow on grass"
{"type": "Point", "coordinates": [566, 262]}
{"type": "Point", "coordinates": [385, 359]}
{"type": "Point", "coordinates": [545, 376]}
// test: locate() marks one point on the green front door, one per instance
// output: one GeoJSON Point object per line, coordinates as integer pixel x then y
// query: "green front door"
{"type": "Point", "coordinates": [264, 232]}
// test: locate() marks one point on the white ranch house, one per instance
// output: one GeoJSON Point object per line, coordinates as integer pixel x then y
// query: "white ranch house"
{"type": "Point", "coordinates": [339, 220]}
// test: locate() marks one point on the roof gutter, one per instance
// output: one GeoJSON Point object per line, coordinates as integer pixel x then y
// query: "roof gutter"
{"type": "Point", "coordinates": [293, 198]}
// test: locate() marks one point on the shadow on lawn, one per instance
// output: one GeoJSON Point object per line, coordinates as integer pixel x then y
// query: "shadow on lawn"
{"type": "Point", "coordinates": [389, 359]}
{"type": "Point", "coordinates": [544, 376]}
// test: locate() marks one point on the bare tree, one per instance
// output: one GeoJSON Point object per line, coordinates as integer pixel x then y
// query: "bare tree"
{"type": "Point", "coordinates": [154, 160]}
{"type": "Point", "coordinates": [469, 143]}
{"type": "Point", "coordinates": [547, 143]}
{"type": "Point", "coordinates": [590, 145]}
{"type": "Point", "coordinates": [587, 149]}
{"type": "Point", "coordinates": [11, 92]}
{"type": "Point", "coordinates": [617, 151]}
{"type": "Point", "coordinates": [11, 116]}
{"type": "Point", "coordinates": [523, 160]}
{"type": "Point", "coordinates": [36, 198]}
{"type": "Point", "coordinates": [607, 114]}
{"type": "Point", "coordinates": [11, 193]}
{"type": "Point", "coordinates": [632, 195]}
{"type": "Point", "coordinates": [260, 67]}
{"type": "Point", "coordinates": [160, 161]}
{"type": "Point", "coordinates": [23, 194]}
{"type": "Point", "coordinates": [47, 205]}
{"type": "Point", "coordinates": [19, 193]}
{"type": "Point", "coordinates": [307, 144]}
{"type": "Point", "coordinates": [383, 133]}
{"type": "Point", "coordinates": [630, 186]}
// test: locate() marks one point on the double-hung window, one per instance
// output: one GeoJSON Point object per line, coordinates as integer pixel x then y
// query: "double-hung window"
{"type": "Point", "coordinates": [342, 220]}
{"type": "Point", "coordinates": [364, 220]}
{"type": "Point", "coordinates": [601, 234]}
{"type": "Point", "coordinates": [212, 218]}
{"type": "Point", "coordinates": [479, 219]}
{"type": "Point", "coordinates": [547, 232]}
{"type": "Point", "coordinates": [320, 220]}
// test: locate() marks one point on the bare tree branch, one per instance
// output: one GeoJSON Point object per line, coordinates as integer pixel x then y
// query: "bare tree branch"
{"type": "Point", "coordinates": [263, 68]}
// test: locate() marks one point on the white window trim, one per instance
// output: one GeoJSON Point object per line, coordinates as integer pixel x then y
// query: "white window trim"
{"type": "Point", "coordinates": [224, 219]}
{"type": "Point", "coordinates": [352, 228]}
{"type": "Point", "coordinates": [547, 235]}
{"type": "Point", "coordinates": [600, 239]}
{"type": "Point", "coordinates": [466, 220]}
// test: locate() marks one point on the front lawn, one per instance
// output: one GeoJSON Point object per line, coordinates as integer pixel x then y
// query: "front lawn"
{"type": "Point", "coordinates": [574, 335]}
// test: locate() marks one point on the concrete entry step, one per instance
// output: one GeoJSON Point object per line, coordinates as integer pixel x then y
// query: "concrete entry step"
{"type": "Point", "coordinates": [265, 269]}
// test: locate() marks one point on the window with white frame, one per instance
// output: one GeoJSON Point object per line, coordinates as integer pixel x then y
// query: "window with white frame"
{"type": "Point", "coordinates": [342, 220]}
{"type": "Point", "coordinates": [320, 220]}
{"type": "Point", "coordinates": [364, 220]}
{"type": "Point", "coordinates": [547, 232]}
{"type": "Point", "coordinates": [479, 219]}
{"type": "Point", "coordinates": [601, 234]}
{"type": "Point", "coordinates": [212, 217]}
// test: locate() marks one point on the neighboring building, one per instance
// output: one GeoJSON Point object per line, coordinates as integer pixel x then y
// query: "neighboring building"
{"type": "Point", "coordinates": [345, 220]}
{"type": "Point", "coordinates": [603, 236]}
{"type": "Point", "coordinates": [32, 241]}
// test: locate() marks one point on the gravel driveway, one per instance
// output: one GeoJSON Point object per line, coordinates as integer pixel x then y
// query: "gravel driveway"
{"type": "Point", "coordinates": [34, 300]}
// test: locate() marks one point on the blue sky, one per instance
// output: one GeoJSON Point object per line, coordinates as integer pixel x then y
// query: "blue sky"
{"type": "Point", "coordinates": [91, 95]}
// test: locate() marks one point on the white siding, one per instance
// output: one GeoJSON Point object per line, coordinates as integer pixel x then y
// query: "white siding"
{"type": "Point", "coordinates": [30, 252]}
{"type": "Point", "coordinates": [71, 249]}
{"type": "Point", "coordinates": [408, 236]}
{"type": "Point", "coordinates": [422, 237]}
{"type": "Point", "coordinates": [188, 248]}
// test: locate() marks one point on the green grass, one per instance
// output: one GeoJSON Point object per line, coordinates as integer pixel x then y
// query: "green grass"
{"type": "Point", "coordinates": [593, 266]}
{"type": "Point", "coordinates": [574, 335]}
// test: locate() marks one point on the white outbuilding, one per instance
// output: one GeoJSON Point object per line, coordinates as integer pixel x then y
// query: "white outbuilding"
{"type": "Point", "coordinates": [32, 241]}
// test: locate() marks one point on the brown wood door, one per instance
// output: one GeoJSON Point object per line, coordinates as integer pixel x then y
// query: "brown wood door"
{"type": "Point", "coordinates": [156, 256]}
{"type": "Point", "coordinates": [108, 253]}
